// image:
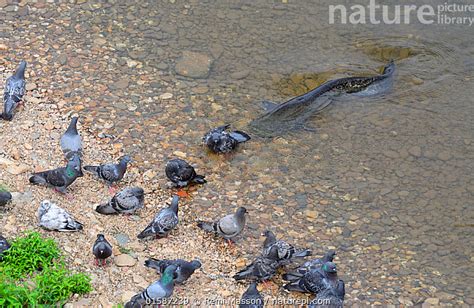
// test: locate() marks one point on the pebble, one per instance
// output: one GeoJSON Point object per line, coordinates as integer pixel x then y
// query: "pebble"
{"type": "Point", "coordinates": [124, 260]}
{"type": "Point", "coordinates": [240, 74]}
{"type": "Point", "coordinates": [30, 86]}
{"type": "Point", "coordinates": [127, 295]}
{"type": "Point", "coordinates": [193, 64]}
{"type": "Point", "coordinates": [122, 239]}
{"type": "Point", "coordinates": [166, 96]}
{"type": "Point", "coordinates": [415, 151]}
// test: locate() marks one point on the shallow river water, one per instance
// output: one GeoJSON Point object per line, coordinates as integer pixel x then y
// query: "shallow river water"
{"type": "Point", "coordinates": [388, 181]}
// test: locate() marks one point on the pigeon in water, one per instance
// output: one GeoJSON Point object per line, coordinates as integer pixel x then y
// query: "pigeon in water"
{"type": "Point", "coordinates": [5, 197]}
{"type": "Point", "coordinates": [286, 251]}
{"type": "Point", "coordinates": [184, 269]}
{"type": "Point", "coordinates": [228, 227]}
{"type": "Point", "coordinates": [71, 140]}
{"type": "Point", "coordinates": [219, 140]}
{"type": "Point", "coordinates": [317, 263]}
{"type": "Point", "coordinates": [52, 217]}
{"type": "Point", "coordinates": [14, 91]}
{"type": "Point", "coordinates": [251, 298]}
{"type": "Point", "coordinates": [313, 281]}
{"type": "Point", "coordinates": [59, 178]}
{"type": "Point", "coordinates": [330, 297]}
{"type": "Point", "coordinates": [160, 289]}
{"type": "Point", "coordinates": [4, 246]}
{"type": "Point", "coordinates": [182, 174]}
{"type": "Point", "coordinates": [101, 249]}
{"type": "Point", "coordinates": [110, 173]}
{"type": "Point", "coordinates": [126, 201]}
{"type": "Point", "coordinates": [163, 222]}
{"type": "Point", "coordinates": [262, 268]}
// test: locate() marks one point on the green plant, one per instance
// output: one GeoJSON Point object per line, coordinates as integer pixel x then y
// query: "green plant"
{"type": "Point", "coordinates": [3, 187]}
{"type": "Point", "coordinates": [32, 274]}
{"type": "Point", "coordinates": [29, 254]}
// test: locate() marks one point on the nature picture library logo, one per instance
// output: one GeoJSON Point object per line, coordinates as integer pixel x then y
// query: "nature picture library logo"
{"type": "Point", "coordinates": [447, 13]}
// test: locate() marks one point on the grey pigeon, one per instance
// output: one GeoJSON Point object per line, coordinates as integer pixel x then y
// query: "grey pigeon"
{"type": "Point", "coordinates": [14, 91]}
{"type": "Point", "coordinates": [5, 197]}
{"type": "Point", "coordinates": [313, 281]}
{"type": "Point", "coordinates": [251, 298]}
{"type": "Point", "coordinates": [158, 290]}
{"type": "Point", "coordinates": [101, 249]}
{"type": "Point", "coordinates": [182, 174]}
{"type": "Point", "coordinates": [330, 297]}
{"type": "Point", "coordinates": [52, 217]}
{"type": "Point", "coordinates": [286, 251]}
{"type": "Point", "coordinates": [163, 222]}
{"type": "Point", "coordinates": [4, 246]}
{"type": "Point", "coordinates": [317, 263]}
{"type": "Point", "coordinates": [184, 269]}
{"type": "Point", "coordinates": [59, 178]}
{"type": "Point", "coordinates": [219, 140]}
{"type": "Point", "coordinates": [126, 201]}
{"type": "Point", "coordinates": [110, 173]}
{"type": "Point", "coordinates": [228, 227]}
{"type": "Point", "coordinates": [71, 140]}
{"type": "Point", "coordinates": [261, 269]}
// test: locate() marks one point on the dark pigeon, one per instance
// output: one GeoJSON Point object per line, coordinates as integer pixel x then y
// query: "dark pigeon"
{"type": "Point", "coordinates": [261, 269]}
{"type": "Point", "coordinates": [5, 197]}
{"type": "Point", "coordinates": [182, 174]}
{"type": "Point", "coordinates": [286, 251]}
{"type": "Point", "coordinates": [59, 178]}
{"type": "Point", "coordinates": [163, 222]}
{"type": "Point", "coordinates": [4, 246]}
{"type": "Point", "coordinates": [160, 289]}
{"type": "Point", "coordinates": [184, 269]}
{"type": "Point", "coordinates": [313, 281]}
{"type": "Point", "coordinates": [110, 173]}
{"type": "Point", "coordinates": [219, 140]}
{"type": "Point", "coordinates": [330, 297]}
{"type": "Point", "coordinates": [71, 141]}
{"type": "Point", "coordinates": [317, 263]}
{"type": "Point", "coordinates": [251, 298]}
{"type": "Point", "coordinates": [126, 201]}
{"type": "Point", "coordinates": [101, 249]}
{"type": "Point", "coordinates": [52, 217]}
{"type": "Point", "coordinates": [14, 91]}
{"type": "Point", "coordinates": [228, 227]}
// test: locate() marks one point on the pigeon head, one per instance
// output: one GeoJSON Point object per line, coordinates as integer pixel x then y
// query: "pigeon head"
{"type": "Point", "coordinates": [195, 264]}
{"type": "Point", "coordinates": [270, 238]}
{"type": "Point", "coordinates": [169, 274]}
{"type": "Point", "coordinates": [100, 237]}
{"type": "Point", "coordinates": [253, 287]}
{"type": "Point", "coordinates": [241, 211]}
{"type": "Point", "coordinates": [329, 256]}
{"type": "Point", "coordinates": [126, 159]}
{"type": "Point", "coordinates": [72, 128]}
{"type": "Point", "coordinates": [74, 165]}
{"type": "Point", "coordinates": [20, 71]}
{"type": "Point", "coordinates": [329, 267]}
{"type": "Point", "coordinates": [174, 204]}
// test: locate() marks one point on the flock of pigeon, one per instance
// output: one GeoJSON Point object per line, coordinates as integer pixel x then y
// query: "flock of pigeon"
{"type": "Point", "coordinates": [318, 276]}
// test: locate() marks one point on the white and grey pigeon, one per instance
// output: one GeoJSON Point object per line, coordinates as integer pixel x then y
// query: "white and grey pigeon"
{"type": "Point", "coordinates": [4, 246]}
{"type": "Point", "coordinates": [101, 249]}
{"type": "Point", "coordinates": [182, 174]}
{"type": "Point", "coordinates": [126, 201]}
{"type": "Point", "coordinates": [184, 269]}
{"type": "Point", "coordinates": [71, 141]}
{"type": "Point", "coordinates": [251, 298]}
{"type": "Point", "coordinates": [261, 269]}
{"type": "Point", "coordinates": [5, 197]}
{"type": "Point", "coordinates": [15, 88]}
{"type": "Point", "coordinates": [52, 217]}
{"type": "Point", "coordinates": [219, 140]}
{"type": "Point", "coordinates": [159, 289]}
{"type": "Point", "coordinates": [110, 173]}
{"type": "Point", "coordinates": [313, 281]}
{"type": "Point", "coordinates": [228, 227]}
{"type": "Point", "coordinates": [60, 178]}
{"type": "Point", "coordinates": [286, 251]}
{"type": "Point", "coordinates": [330, 297]}
{"type": "Point", "coordinates": [163, 222]}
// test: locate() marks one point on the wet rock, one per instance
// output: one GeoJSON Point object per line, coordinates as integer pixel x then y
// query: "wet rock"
{"type": "Point", "coordinates": [194, 65]}
{"type": "Point", "coordinates": [240, 74]}
{"type": "Point", "coordinates": [125, 260]}
{"type": "Point", "coordinates": [120, 84]}
{"type": "Point", "coordinates": [166, 96]}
